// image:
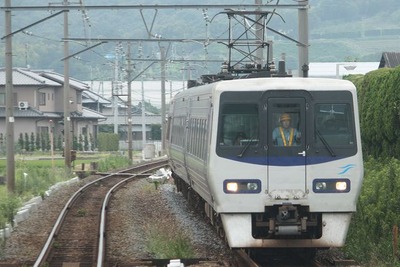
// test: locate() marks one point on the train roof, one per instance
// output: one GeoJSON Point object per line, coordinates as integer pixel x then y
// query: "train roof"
{"type": "Point", "coordinates": [261, 84]}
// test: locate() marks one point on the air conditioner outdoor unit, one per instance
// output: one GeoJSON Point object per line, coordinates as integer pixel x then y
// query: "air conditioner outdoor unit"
{"type": "Point", "coordinates": [23, 105]}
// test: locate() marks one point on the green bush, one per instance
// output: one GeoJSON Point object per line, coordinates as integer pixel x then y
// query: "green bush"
{"type": "Point", "coordinates": [113, 162]}
{"type": "Point", "coordinates": [379, 104]}
{"type": "Point", "coordinates": [378, 210]}
{"type": "Point", "coordinates": [108, 142]}
{"type": "Point", "coordinates": [8, 207]}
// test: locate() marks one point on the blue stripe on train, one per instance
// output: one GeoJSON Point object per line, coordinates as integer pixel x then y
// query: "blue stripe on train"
{"type": "Point", "coordinates": [285, 161]}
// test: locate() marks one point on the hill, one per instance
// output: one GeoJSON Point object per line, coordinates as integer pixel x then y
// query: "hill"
{"type": "Point", "coordinates": [339, 31]}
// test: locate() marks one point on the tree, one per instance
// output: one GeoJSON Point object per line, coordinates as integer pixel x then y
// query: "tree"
{"type": "Point", "coordinates": [37, 141]}
{"type": "Point", "coordinates": [26, 142]}
{"type": "Point", "coordinates": [32, 142]}
{"type": "Point", "coordinates": [21, 141]}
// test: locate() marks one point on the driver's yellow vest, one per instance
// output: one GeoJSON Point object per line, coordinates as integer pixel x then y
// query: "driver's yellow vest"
{"type": "Point", "coordinates": [284, 140]}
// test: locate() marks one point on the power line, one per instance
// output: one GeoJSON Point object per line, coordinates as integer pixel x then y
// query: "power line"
{"type": "Point", "coordinates": [141, 7]}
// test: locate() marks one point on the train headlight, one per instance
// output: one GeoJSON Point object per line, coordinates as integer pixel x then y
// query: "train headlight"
{"type": "Point", "coordinates": [331, 185]}
{"type": "Point", "coordinates": [341, 186]}
{"type": "Point", "coordinates": [242, 186]}
{"type": "Point", "coordinates": [320, 186]}
{"type": "Point", "coordinates": [252, 186]}
{"type": "Point", "coordinates": [232, 187]}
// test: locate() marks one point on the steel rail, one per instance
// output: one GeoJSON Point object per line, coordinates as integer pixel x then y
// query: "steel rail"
{"type": "Point", "coordinates": [102, 231]}
{"type": "Point", "coordinates": [243, 259]}
{"type": "Point", "coordinates": [103, 217]}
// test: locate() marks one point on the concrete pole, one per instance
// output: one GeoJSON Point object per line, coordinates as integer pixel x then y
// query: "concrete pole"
{"type": "Point", "coordinates": [9, 102]}
{"type": "Point", "coordinates": [303, 38]}
{"type": "Point", "coordinates": [129, 103]}
{"type": "Point", "coordinates": [67, 115]}
{"type": "Point", "coordinates": [143, 116]}
{"type": "Point", "coordinates": [163, 112]}
{"type": "Point", "coordinates": [115, 90]}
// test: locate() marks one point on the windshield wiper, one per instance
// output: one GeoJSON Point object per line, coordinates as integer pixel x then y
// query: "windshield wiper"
{"type": "Point", "coordinates": [246, 147]}
{"type": "Point", "coordinates": [326, 144]}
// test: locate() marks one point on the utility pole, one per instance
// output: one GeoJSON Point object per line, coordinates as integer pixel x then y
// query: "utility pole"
{"type": "Point", "coordinates": [115, 88]}
{"type": "Point", "coordinates": [303, 38]}
{"type": "Point", "coordinates": [67, 118]}
{"type": "Point", "coordinates": [143, 108]}
{"type": "Point", "coordinates": [163, 126]}
{"type": "Point", "coordinates": [129, 103]}
{"type": "Point", "coordinates": [9, 102]}
{"type": "Point", "coordinates": [260, 28]}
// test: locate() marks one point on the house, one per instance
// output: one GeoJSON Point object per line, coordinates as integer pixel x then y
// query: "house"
{"type": "Point", "coordinates": [116, 111]}
{"type": "Point", "coordinates": [94, 101]}
{"type": "Point", "coordinates": [390, 60]}
{"type": "Point", "coordinates": [39, 105]}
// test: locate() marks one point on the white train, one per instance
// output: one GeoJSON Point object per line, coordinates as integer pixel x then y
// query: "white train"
{"type": "Point", "coordinates": [260, 184]}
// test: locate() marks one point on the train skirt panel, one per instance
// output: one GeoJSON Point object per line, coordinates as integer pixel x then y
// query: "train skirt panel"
{"type": "Point", "coordinates": [239, 233]}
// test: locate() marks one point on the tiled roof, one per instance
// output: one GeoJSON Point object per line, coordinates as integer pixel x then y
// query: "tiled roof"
{"type": "Point", "coordinates": [29, 113]}
{"type": "Point", "coordinates": [91, 97]}
{"type": "Point", "coordinates": [34, 113]}
{"type": "Point", "coordinates": [60, 78]}
{"type": "Point", "coordinates": [87, 114]}
{"type": "Point", "coordinates": [26, 77]}
{"type": "Point", "coordinates": [91, 114]}
{"type": "Point", "coordinates": [390, 60]}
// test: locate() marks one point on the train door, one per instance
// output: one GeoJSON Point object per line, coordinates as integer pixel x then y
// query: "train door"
{"type": "Point", "coordinates": [286, 146]}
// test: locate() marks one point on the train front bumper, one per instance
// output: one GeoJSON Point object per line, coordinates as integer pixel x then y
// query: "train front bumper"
{"type": "Point", "coordinates": [238, 231]}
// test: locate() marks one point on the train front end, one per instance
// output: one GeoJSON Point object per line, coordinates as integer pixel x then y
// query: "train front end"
{"type": "Point", "coordinates": [287, 166]}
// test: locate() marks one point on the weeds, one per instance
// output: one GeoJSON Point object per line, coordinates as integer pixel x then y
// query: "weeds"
{"type": "Point", "coordinates": [113, 162]}
{"type": "Point", "coordinates": [81, 213]}
{"type": "Point", "coordinates": [168, 241]}
{"type": "Point", "coordinates": [8, 207]}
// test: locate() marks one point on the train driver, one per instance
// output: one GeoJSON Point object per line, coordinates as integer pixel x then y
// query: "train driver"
{"type": "Point", "coordinates": [285, 135]}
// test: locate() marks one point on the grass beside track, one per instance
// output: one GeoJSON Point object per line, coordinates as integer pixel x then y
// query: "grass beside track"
{"type": "Point", "coordinates": [35, 173]}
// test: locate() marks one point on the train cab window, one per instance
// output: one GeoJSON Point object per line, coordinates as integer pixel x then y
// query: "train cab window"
{"type": "Point", "coordinates": [334, 125]}
{"type": "Point", "coordinates": [286, 130]}
{"type": "Point", "coordinates": [239, 125]}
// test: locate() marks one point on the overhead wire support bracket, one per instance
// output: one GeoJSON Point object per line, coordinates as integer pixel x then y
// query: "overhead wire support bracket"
{"type": "Point", "coordinates": [33, 24]}
{"type": "Point", "coordinates": [88, 48]}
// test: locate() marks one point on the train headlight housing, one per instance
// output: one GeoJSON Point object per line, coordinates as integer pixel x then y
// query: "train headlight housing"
{"type": "Point", "coordinates": [331, 185]}
{"type": "Point", "coordinates": [320, 186]}
{"type": "Point", "coordinates": [242, 186]}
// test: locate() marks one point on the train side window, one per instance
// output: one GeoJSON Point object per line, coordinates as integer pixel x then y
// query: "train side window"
{"type": "Point", "coordinates": [333, 122]}
{"type": "Point", "coordinates": [239, 125]}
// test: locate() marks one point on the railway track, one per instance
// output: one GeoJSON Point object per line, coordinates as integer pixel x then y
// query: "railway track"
{"type": "Point", "coordinates": [77, 237]}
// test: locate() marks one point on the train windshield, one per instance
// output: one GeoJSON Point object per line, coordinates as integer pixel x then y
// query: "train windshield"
{"type": "Point", "coordinates": [333, 124]}
{"type": "Point", "coordinates": [239, 125]}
